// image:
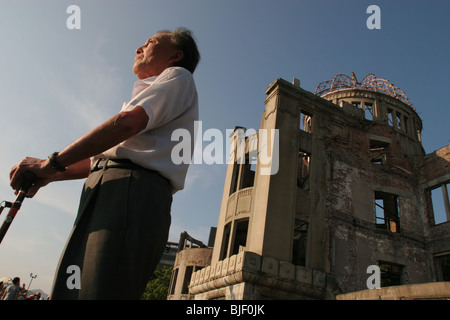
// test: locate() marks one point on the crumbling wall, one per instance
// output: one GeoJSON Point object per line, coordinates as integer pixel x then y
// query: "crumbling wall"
{"type": "Point", "coordinates": [355, 240]}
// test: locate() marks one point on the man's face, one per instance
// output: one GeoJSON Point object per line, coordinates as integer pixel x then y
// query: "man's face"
{"type": "Point", "coordinates": [155, 56]}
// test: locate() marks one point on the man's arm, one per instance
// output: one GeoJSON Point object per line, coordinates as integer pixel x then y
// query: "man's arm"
{"type": "Point", "coordinates": [112, 132]}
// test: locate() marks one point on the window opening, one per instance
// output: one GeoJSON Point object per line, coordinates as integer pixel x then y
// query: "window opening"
{"type": "Point", "coordinates": [443, 267]}
{"type": "Point", "coordinates": [248, 172]}
{"type": "Point", "coordinates": [299, 243]}
{"type": "Point", "coordinates": [226, 240]}
{"type": "Point", "coordinates": [399, 121]}
{"type": "Point", "coordinates": [303, 169]}
{"type": "Point", "coordinates": [440, 203]}
{"type": "Point", "coordinates": [174, 281]}
{"type": "Point", "coordinates": [244, 168]}
{"type": "Point", "coordinates": [391, 274]}
{"type": "Point", "coordinates": [356, 104]}
{"type": "Point", "coordinates": [390, 117]}
{"type": "Point", "coordinates": [368, 111]}
{"type": "Point", "coordinates": [305, 122]}
{"type": "Point", "coordinates": [387, 211]}
{"type": "Point", "coordinates": [240, 235]}
{"type": "Point", "coordinates": [234, 178]}
{"type": "Point", "coordinates": [378, 151]}
{"type": "Point", "coordinates": [187, 279]}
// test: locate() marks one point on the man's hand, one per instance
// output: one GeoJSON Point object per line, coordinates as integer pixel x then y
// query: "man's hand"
{"type": "Point", "coordinates": [41, 168]}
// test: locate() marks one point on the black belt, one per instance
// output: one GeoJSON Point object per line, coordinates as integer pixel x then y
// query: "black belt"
{"type": "Point", "coordinates": [103, 164]}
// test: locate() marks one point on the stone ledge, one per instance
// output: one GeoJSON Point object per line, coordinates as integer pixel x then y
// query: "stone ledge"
{"type": "Point", "coordinates": [423, 291]}
{"type": "Point", "coordinates": [268, 272]}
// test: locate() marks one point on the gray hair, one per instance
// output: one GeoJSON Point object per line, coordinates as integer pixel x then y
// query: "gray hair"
{"type": "Point", "coordinates": [182, 39]}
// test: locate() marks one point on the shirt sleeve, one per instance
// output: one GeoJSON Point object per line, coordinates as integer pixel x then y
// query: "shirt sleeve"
{"type": "Point", "coordinates": [168, 97]}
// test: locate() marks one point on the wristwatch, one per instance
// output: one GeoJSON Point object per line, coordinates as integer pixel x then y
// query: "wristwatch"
{"type": "Point", "coordinates": [54, 163]}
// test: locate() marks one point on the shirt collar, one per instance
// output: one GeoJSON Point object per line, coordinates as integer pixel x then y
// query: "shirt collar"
{"type": "Point", "coordinates": [141, 85]}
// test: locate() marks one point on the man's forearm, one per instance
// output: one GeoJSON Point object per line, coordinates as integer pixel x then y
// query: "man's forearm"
{"type": "Point", "coordinates": [77, 170]}
{"type": "Point", "coordinates": [114, 131]}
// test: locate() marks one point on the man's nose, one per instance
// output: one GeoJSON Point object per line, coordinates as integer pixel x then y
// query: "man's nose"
{"type": "Point", "coordinates": [139, 50]}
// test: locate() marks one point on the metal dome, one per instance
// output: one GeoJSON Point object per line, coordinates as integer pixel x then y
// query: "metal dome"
{"type": "Point", "coordinates": [370, 82]}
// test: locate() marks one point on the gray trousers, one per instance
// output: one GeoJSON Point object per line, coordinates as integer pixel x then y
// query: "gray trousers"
{"type": "Point", "coordinates": [118, 237]}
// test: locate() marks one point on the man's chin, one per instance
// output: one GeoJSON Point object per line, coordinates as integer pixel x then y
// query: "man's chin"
{"type": "Point", "coordinates": [137, 71]}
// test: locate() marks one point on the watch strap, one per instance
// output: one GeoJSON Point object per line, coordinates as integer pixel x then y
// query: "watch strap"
{"type": "Point", "coordinates": [54, 163]}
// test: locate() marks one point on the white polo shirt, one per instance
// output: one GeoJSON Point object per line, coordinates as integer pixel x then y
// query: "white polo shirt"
{"type": "Point", "coordinates": [171, 102]}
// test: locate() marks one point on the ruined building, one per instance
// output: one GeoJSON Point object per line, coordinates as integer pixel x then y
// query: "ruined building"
{"type": "Point", "coordinates": [353, 188]}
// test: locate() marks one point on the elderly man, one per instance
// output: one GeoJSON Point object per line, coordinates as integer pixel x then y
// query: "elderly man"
{"type": "Point", "coordinates": [124, 215]}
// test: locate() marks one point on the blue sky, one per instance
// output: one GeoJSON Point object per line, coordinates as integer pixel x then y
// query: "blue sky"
{"type": "Point", "coordinates": [56, 84]}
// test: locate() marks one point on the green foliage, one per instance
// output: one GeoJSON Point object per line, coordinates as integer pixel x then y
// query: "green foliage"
{"type": "Point", "coordinates": [158, 287]}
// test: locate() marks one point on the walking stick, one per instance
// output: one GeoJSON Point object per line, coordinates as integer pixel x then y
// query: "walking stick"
{"type": "Point", "coordinates": [29, 178]}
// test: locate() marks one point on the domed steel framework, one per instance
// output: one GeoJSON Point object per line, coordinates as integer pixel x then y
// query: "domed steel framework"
{"type": "Point", "coordinates": [370, 82]}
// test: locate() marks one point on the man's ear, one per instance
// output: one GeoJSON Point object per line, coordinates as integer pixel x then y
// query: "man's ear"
{"type": "Point", "coordinates": [176, 56]}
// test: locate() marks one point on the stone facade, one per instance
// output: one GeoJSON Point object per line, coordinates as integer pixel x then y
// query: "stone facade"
{"type": "Point", "coordinates": [249, 276]}
{"type": "Point", "coordinates": [187, 262]}
{"type": "Point", "coordinates": [351, 188]}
